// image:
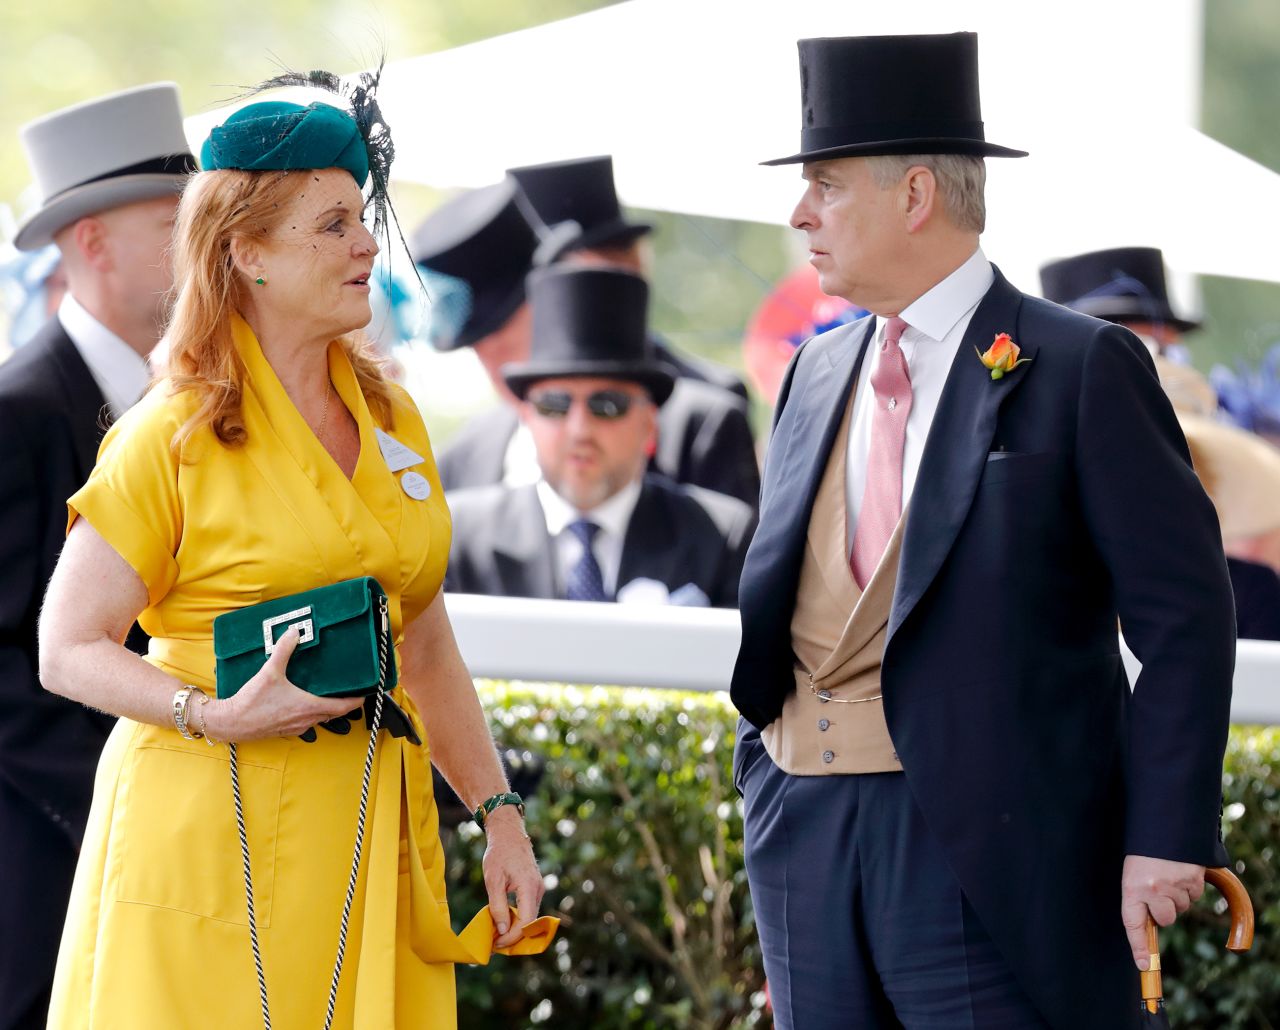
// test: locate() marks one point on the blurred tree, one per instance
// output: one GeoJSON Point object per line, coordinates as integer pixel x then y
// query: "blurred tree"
{"type": "Point", "coordinates": [709, 274]}
{"type": "Point", "coordinates": [1241, 96]}
{"type": "Point", "coordinates": [60, 52]}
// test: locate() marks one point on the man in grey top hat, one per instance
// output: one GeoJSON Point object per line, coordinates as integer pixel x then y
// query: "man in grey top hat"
{"type": "Point", "coordinates": [109, 173]}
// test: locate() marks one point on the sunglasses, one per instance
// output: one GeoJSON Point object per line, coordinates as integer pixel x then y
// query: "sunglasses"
{"type": "Point", "coordinates": [605, 404]}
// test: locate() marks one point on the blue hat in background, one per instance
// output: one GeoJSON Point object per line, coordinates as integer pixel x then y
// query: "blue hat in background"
{"type": "Point", "coordinates": [274, 135]}
{"type": "Point", "coordinates": [24, 289]}
{"type": "Point", "coordinates": [474, 252]}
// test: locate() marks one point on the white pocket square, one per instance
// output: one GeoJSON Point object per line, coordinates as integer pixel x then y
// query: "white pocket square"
{"type": "Point", "coordinates": [651, 592]}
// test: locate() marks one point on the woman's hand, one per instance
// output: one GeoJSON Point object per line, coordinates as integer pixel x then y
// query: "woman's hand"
{"type": "Point", "coordinates": [269, 705]}
{"type": "Point", "coordinates": [510, 868]}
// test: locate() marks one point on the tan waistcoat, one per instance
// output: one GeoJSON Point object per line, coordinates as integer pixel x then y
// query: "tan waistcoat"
{"type": "Point", "coordinates": [838, 634]}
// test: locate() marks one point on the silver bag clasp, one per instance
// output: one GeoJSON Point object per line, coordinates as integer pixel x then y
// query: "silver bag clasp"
{"type": "Point", "coordinates": [306, 628]}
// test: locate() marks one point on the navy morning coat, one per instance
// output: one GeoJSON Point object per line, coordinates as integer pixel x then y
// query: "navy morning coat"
{"type": "Point", "coordinates": [1051, 505]}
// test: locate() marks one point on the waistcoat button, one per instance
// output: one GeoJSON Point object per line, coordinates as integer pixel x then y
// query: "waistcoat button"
{"type": "Point", "coordinates": [828, 756]}
{"type": "Point", "coordinates": [824, 724]}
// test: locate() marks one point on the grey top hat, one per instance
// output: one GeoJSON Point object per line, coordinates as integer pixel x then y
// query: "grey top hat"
{"type": "Point", "coordinates": [103, 153]}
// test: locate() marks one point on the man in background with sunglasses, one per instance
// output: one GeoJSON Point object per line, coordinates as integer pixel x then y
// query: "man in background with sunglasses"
{"type": "Point", "coordinates": [475, 252]}
{"type": "Point", "coordinates": [596, 526]}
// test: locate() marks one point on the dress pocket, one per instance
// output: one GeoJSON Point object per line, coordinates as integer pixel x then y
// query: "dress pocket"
{"type": "Point", "coordinates": [179, 845]}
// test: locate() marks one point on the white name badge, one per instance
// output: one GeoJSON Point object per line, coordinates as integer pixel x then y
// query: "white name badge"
{"type": "Point", "coordinates": [416, 486]}
{"type": "Point", "coordinates": [395, 454]}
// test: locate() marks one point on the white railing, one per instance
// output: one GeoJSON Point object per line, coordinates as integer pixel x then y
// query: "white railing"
{"type": "Point", "coordinates": [694, 648]}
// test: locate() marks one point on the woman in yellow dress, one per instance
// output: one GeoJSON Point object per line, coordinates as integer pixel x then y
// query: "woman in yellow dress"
{"type": "Point", "coordinates": [273, 458]}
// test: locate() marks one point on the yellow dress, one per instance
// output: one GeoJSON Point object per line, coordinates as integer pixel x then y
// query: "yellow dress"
{"type": "Point", "coordinates": [157, 933]}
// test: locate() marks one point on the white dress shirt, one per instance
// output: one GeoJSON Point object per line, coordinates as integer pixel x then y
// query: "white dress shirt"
{"type": "Point", "coordinates": [613, 517]}
{"type": "Point", "coordinates": [520, 463]}
{"type": "Point", "coordinates": [120, 371]}
{"type": "Point", "coordinates": [936, 323]}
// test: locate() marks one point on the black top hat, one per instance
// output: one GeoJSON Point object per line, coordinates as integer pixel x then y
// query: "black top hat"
{"type": "Point", "coordinates": [580, 191]}
{"type": "Point", "coordinates": [487, 238]}
{"type": "Point", "coordinates": [1122, 285]}
{"type": "Point", "coordinates": [590, 322]}
{"type": "Point", "coordinates": [865, 95]}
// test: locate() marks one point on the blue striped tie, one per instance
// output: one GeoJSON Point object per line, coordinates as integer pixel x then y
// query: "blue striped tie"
{"type": "Point", "coordinates": [586, 582]}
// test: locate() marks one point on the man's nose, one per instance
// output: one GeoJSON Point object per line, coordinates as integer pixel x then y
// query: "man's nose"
{"type": "Point", "coordinates": [803, 217]}
{"type": "Point", "coordinates": [579, 420]}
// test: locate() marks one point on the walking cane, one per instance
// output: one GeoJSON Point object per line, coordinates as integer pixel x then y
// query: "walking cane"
{"type": "Point", "coordinates": [1240, 938]}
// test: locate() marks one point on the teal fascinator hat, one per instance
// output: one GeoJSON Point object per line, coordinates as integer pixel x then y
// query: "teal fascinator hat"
{"type": "Point", "coordinates": [274, 135]}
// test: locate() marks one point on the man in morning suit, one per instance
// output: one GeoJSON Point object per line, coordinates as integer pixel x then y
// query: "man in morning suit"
{"type": "Point", "coordinates": [957, 814]}
{"type": "Point", "coordinates": [596, 526]}
{"type": "Point", "coordinates": [109, 172]}
{"type": "Point", "coordinates": [480, 246]}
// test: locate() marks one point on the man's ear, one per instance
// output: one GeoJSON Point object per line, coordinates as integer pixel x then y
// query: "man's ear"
{"type": "Point", "coordinates": [90, 238]}
{"type": "Point", "coordinates": [920, 193]}
{"type": "Point", "coordinates": [651, 434]}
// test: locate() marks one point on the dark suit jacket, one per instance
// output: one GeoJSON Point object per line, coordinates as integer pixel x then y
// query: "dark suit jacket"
{"type": "Point", "coordinates": [677, 535]}
{"type": "Point", "coordinates": [704, 439]}
{"type": "Point", "coordinates": [1257, 593]}
{"type": "Point", "coordinates": [691, 367]}
{"type": "Point", "coordinates": [1030, 532]}
{"type": "Point", "coordinates": [50, 426]}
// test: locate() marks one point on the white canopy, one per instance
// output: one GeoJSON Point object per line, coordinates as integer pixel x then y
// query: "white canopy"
{"type": "Point", "coordinates": [689, 95]}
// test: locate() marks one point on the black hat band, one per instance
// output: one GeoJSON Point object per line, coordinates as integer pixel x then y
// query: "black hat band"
{"type": "Point", "coordinates": [170, 164]}
{"type": "Point", "coordinates": [827, 137]}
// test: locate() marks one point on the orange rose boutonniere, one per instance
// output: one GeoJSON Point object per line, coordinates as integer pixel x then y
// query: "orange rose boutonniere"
{"type": "Point", "coordinates": [1001, 356]}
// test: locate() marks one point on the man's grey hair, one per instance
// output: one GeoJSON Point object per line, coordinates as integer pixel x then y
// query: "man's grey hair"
{"type": "Point", "coordinates": [961, 180]}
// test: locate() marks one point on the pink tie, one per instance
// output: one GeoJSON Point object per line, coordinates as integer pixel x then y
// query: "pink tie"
{"type": "Point", "coordinates": [882, 499]}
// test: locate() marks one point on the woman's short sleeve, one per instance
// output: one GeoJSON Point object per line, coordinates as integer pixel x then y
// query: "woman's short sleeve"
{"type": "Point", "coordinates": [132, 496]}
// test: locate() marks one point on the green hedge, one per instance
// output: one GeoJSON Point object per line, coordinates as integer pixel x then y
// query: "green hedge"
{"type": "Point", "coordinates": [639, 830]}
{"type": "Point", "coordinates": [1205, 985]}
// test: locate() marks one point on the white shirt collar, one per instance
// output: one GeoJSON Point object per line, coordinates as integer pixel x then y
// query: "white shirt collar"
{"type": "Point", "coordinates": [120, 371]}
{"type": "Point", "coordinates": [612, 516]}
{"type": "Point", "coordinates": [936, 312]}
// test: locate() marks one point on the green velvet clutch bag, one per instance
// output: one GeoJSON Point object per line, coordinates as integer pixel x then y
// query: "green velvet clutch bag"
{"type": "Point", "coordinates": [345, 649]}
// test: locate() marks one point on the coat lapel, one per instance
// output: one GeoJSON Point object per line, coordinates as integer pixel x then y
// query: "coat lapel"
{"type": "Point", "coordinates": [649, 547]}
{"type": "Point", "coordinates": [522, 552]}
{"type": "Point", "coordinates": [86, 407]}
{"type": "Point", "coordinates": [802, 445]}
{"type": "Point", "coordinates": [957, 447]}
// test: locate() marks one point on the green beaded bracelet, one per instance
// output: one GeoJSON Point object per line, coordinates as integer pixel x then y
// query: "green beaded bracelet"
{"type": "Point", "coordinates": [487, 808]}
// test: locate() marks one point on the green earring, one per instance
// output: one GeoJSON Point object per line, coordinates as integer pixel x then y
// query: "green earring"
{"type": "Point", "coordinates": [261, 281]}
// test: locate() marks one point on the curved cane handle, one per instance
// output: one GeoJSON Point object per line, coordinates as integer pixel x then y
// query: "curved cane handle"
{"type": "Point", "coordinates": [1239, 907]}
{"type": "Point", "coordinates": [1240, 938]}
